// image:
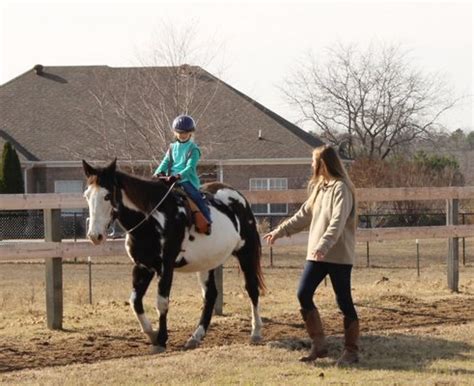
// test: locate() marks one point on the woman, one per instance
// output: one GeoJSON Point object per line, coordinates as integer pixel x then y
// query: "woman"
{"type": "Point", "coordinates": [330, 213]}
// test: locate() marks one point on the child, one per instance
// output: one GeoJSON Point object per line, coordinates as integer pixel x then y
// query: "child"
{"type": "Point", "coordinates": [180, 163]}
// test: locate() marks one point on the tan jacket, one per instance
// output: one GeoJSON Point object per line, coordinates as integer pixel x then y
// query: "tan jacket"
{"type": "Point", "coordinates": [331, 221]}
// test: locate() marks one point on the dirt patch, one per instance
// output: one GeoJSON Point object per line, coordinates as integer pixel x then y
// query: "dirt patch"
{"type": "Point", "coordinates": [400, 312]}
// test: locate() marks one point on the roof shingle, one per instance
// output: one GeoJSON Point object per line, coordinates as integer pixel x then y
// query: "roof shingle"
{"type": "Point", "coordinates": [98, 112]}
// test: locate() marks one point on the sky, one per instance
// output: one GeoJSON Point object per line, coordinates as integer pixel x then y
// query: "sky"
{"type": "Point", "coordinates": [257, 43]}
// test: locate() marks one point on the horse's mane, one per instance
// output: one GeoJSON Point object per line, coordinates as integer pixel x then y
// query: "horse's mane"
{"type": "Point", "coordinates": [144, 192]}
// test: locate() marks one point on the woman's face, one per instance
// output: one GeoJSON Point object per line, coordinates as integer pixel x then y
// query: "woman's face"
{"type": "Point", "coordinates": [319, 167]}
{"type": "Point", "coordinates": [315, 164]}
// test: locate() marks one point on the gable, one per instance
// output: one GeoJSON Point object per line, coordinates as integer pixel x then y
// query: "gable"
{"type": "Point", "coordinates": [98, 112]}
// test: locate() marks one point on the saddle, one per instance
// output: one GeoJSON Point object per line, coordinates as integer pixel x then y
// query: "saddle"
{"type": "Point", "coordinates": [193, 214]}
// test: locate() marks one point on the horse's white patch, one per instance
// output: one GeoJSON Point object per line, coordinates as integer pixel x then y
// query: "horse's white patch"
{"type": "Point", "coordinates": [144, 323]}
{"type": "Point", "coordinates": [225, 195]}
{"type": "Point", "coordinates": [160, 217]}
{"type": "Point", "coordinates": [128, 203]}
{"type": "Point", "coordinates": [203, 277]}
{"type": "Point", "coordinates": [206, 252]}
{"type": "Point", "coordinates": [199, 333]}
{"type": "Point", "coordinates": [127, 247]}
{"type": "Point", "coordinates": [182, 210]}
{"type": "Point", "coordinates": [240, 244]}
{"type": "Point", "coordinates": [142, 319]}
{"type": "Point", "coordinates": [256, 322]}
{"type": "Point", "coordinates": [162, 304]}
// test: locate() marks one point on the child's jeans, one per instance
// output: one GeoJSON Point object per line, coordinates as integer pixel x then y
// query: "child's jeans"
{"type": "Point", "coordinates": [196, 196]}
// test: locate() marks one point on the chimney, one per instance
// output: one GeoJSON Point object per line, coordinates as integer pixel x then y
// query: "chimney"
{"type": "Point", "coordinates": [38, 69]}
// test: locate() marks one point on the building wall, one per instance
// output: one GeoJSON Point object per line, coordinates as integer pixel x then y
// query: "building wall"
{"type": "Point", "coordinates": [41, 180]}
{"type": "Point", "coordinates": [239, 176]}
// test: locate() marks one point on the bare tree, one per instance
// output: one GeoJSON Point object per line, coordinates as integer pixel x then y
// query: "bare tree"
{"type": "Point", "coordinates": [132, 109]}
{"type": "Point", "coordinates": [370, 102]}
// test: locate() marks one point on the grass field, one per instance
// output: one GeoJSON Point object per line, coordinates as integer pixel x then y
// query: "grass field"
{"type": "Point", "coordinates": [414, 330]}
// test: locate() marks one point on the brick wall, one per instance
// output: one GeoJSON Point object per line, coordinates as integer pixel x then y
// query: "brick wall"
{"type": "Point", "coordinates": [41, 180]}
{"type": "Point", "coordinates": [239, 176]}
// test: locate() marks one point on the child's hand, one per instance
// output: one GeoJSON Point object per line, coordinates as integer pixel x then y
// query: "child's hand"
{"type": "Point", "coordinates": [172, 179]}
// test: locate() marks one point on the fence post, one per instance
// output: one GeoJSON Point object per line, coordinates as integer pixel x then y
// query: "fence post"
{"type": "Point", "coordinates": [271, 248]}
{"type": "Point", "coordinates": [417, 258]}
{"type": "Point", "coordinates": [463, 243]}
{"type": "Point", "coordinates": [54, 272]}
{"type": "Point", "coordinates": [219, 279]}
{"type": "Point", "coordinates": [369, 225]}
{"type": "Point", "coordinates": [452, 212]}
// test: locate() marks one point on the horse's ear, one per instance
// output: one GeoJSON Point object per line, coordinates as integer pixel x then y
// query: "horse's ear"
{"type": "Point", "coordinates": [112, 167]}
{"type": "Point", "coordinates": [88, 169]}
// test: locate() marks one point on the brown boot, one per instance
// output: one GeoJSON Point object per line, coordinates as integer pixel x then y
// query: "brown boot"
{"type": "Point", "coordinates": [315, 330]}
{"type": "Point", "coordinates": [350, 354]}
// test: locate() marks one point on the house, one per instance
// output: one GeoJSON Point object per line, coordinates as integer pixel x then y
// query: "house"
{"type": "Point", "coordinates": [57, 116]}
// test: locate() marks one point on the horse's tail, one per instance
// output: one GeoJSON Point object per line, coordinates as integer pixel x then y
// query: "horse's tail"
{"type": "Point", "coordinates": [256, 257]}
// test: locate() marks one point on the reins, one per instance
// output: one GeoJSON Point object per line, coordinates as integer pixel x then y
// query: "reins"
{"type": "Point", "coordinates": [152, 211]}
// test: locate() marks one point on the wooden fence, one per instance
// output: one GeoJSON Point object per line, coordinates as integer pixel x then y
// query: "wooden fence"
{"type": "Point", "coordinates": [53, 249]}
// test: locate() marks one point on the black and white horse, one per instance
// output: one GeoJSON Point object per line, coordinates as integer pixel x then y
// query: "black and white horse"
{"type": "Point", "coordinates": [160, 240]}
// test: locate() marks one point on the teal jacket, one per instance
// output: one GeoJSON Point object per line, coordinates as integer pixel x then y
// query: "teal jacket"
{"type": "Point", "coordinates": [184, 159]}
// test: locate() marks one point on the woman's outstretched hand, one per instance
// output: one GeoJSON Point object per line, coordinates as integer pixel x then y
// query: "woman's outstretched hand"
{"type": "Point", "coordinates": [270, 237]}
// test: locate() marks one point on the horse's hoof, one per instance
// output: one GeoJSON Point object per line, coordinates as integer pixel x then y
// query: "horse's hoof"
{"type": "Point", "coordinates": [191, 344]}
{"type": "Point", "coordinates": [157, 349]}
{"type": "Point", "coordinates": [152, 336]}
{"type": "Point", "coordinates": [256, 339]}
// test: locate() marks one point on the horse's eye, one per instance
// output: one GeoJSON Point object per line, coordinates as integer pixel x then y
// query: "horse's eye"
{"type": "Point", "coordinates": [107, 197]}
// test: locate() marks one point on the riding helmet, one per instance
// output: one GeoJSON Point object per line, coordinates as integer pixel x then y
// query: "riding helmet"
{"type": "Point", "coordinates": [184, 124]}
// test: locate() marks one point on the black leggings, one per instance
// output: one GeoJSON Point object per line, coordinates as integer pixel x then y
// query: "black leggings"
{"type": "Point", "coordinates": [340, 274]}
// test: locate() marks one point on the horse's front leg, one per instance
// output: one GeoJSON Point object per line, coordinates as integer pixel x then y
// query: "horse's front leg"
{"type": "Point", "coordinates": [209, 293]}
{"type": "Point", "coordinates": [141, 280]}
{"type": "Point", "coordinates": [164, 289]}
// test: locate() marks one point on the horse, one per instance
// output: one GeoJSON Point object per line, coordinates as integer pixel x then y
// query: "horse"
{"type": "Point", "coordinates": [160, 239]}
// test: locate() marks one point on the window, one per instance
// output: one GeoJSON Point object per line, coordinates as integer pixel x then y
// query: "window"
{"type": "Point", "coordinates": [68, 186]}
{"type": "Point", "coordinates": [269, 184]}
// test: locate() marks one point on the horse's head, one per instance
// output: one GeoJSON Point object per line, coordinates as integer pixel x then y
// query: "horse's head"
{"type": "Point", "coordinates": [100, 195]}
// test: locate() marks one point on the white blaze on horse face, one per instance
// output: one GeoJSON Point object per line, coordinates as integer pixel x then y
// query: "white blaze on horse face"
{"type": "Point", "coordinates": [100, 212]}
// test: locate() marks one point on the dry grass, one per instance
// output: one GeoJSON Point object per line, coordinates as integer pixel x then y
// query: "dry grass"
{"type": "Point", "coordinates": [440, 353]}
{"type": "Point", "coordinates": [440, 357]}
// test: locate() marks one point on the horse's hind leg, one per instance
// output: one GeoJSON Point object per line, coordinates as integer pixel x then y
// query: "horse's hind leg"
{"type": "Point", "coordinates": [141, 280]}
{"type": "Point", "coordinates": [252, 287]}
{"type": "Point", "coordinates": [209, 294]}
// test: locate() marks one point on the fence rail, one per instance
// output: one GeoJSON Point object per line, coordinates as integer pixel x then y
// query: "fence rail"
{"type": "Point", "coordinates": [53, 249]}
{"type": "Point", "coordinates": [366, 194]}
{"type": "Point", "coordinates": [37, 249]}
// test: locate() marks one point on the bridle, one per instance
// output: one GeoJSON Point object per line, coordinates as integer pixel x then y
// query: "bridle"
{"type": "Point", "coordinates": [117, 203]}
